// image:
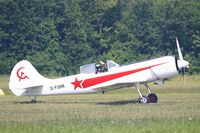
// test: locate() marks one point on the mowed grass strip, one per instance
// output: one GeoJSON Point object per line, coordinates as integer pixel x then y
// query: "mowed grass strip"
{"type": "Point", "coordinates": [158, 126]}
{"type": "Point", "coordinates": [178, 110]}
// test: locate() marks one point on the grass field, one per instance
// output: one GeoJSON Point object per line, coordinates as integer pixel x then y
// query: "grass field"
{"type": "Point", "coordinates": [178, 110]}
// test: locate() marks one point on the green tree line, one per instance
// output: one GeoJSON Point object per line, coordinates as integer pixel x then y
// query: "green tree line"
{"type": "Point", "coordinates": [57, 36]}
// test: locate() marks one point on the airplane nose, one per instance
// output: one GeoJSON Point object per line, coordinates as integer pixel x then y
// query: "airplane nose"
{"type": "Point", "coordinates": [183, 64]}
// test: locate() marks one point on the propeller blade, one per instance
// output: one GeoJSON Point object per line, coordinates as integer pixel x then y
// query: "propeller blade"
{"type": "Point", "coordinates": [177, 68]}
{"type": "Point", "coordinates": [179, 50]}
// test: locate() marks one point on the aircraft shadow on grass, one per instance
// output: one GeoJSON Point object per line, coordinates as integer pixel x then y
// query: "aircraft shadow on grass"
{"type": "Point", "coordinates": [76, 102]}
{"type": "Point", "coordinates": [119, 102]}
{"type": "Point", "coordinates": [27, 102]}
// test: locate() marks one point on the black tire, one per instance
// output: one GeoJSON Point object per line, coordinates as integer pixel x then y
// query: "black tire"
{"type": "Point", "coordinates": [33, 101]}
{"type": "Point", "coordinates": [153, 98]}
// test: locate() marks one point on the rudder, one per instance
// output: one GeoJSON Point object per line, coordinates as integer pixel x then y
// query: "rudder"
{"type": "Point", "coordinates": [23, 76]}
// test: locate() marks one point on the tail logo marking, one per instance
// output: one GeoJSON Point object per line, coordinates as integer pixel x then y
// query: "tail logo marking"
{"type": "Point", "coordinates": [21, 74]}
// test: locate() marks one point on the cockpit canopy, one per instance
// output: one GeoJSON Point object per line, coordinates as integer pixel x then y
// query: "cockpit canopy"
{"type": "Point", "coordinates": [111, 64]}
{"type": "Point", "coordinates": [98, 68]}
{"type": "Point", "coordinates": [88, 69]}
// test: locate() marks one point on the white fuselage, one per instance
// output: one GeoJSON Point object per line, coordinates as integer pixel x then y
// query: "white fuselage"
{"type": "Point", "coordinates": [142, 72]}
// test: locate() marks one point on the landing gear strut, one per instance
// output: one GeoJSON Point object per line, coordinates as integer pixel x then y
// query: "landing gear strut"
{"type": "Point", "coordinates": [151, 98]}
{"type": "Point", "coordinates": [34, 100]}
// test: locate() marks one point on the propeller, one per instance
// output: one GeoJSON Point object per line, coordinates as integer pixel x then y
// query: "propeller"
{"type": "Point", "coordinates": [176, 62]}
{"type": "Point", "coordinates": [181, 64]}
{"type": "Point", "coordinates": [180, 70]}
{"type": "Point", "coordinates": [179, 50]}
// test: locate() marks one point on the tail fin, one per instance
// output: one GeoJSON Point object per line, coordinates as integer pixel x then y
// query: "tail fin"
{"type": "Point", "coordinates": [24, 76]}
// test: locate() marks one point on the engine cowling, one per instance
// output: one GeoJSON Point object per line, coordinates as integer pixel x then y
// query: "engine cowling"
{"type": "Point", "coordinates": [165, 71]}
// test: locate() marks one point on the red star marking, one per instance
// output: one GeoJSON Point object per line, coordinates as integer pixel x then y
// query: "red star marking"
{"type": "Point", "coordinates": [77, 83]}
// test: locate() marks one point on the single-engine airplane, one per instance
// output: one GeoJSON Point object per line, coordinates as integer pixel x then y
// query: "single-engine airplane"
{"type": "Point", "coordinates": [26, 81]}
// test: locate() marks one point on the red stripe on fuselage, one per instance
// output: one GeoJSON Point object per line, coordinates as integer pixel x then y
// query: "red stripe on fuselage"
{"type": "Point", "coordinates": [98, 80]}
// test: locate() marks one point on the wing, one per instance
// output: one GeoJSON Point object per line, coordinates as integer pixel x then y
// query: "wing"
{"type": "Point", "coordinates": [124, 84]}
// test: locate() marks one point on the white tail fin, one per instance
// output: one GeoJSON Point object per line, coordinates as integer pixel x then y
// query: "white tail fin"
{"type": "Point", "coordinates": [24, 76]}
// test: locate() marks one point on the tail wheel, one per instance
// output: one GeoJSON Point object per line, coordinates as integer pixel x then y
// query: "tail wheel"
{"type": "Point", "coordinates": [33, 101]}
{"type": "Point", "coordinates": [153, 98]}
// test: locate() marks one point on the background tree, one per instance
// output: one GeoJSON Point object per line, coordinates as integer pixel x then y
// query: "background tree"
{"type": "Point", "coordinates": [59, 36]}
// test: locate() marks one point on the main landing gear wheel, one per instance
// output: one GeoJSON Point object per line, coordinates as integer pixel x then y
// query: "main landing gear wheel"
{"type": "Point", "coordinates": [143, 99]}
{"type": "Point", "coordinates": [152, 98]}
